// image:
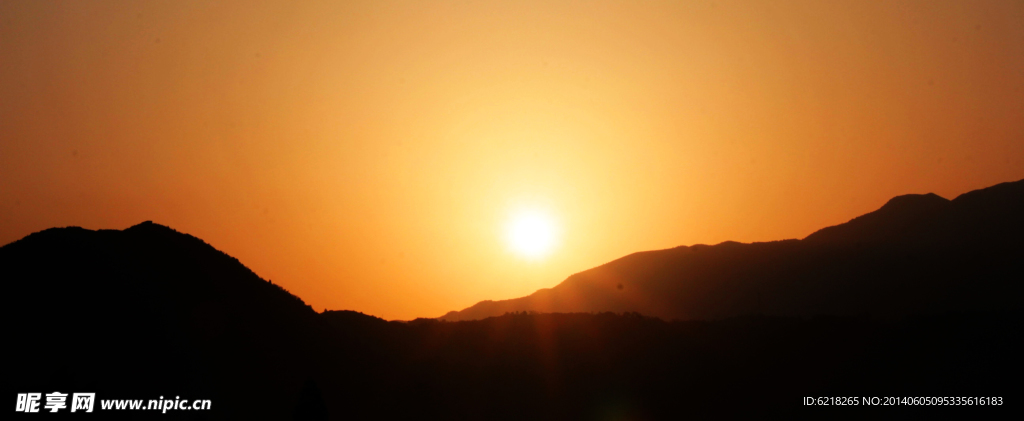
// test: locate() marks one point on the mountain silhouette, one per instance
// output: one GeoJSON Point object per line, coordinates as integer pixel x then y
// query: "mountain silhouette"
{"type": "Point", "coordinates": [148, 311]}
{"type": "Point", "coordinates": [917, 254]}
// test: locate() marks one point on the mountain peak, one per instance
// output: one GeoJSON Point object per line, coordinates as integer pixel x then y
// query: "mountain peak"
{"type": "Point", "coordinates": [915, 202]}
{"type": "Point", "coordinates": [149, 226]}
{"type": "Point", "coordinates": [894, 220]}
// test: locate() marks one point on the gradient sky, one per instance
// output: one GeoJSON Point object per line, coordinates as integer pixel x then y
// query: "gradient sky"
{"type": "Point", "coordinates": [366, 155]}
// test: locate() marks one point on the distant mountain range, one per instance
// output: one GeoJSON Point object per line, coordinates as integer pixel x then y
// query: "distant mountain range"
{"type": "Point", "coordinates": [917, 254]}
{"type": "Point", "coordinates": [148, 311]}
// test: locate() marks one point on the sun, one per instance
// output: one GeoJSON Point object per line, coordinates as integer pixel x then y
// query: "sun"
{"type": "Point", "coordinates": [531, 234]}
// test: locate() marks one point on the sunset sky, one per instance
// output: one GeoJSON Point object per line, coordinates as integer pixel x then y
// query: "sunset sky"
{"type": "Point", "coordinates": [373, 155]}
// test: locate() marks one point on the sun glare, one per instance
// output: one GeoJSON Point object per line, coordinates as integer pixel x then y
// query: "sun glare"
{"type": "Point", "coordinates": [531, 234]}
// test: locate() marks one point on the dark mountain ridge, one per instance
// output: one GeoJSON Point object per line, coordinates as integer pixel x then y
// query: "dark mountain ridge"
{"type": "Point", "coordinates": [148, 312]}
{"type": "Point", "coordinates": [917, 254]}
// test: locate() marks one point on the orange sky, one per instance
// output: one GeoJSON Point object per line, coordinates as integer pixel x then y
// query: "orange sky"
{"type": "Point", "coordinates": [366, 155]}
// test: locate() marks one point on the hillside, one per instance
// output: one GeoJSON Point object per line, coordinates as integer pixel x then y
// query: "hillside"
{"type": "Point", "coordinates": [148, 312]}
{"type": "Point", "coordinates": [917, 254]}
